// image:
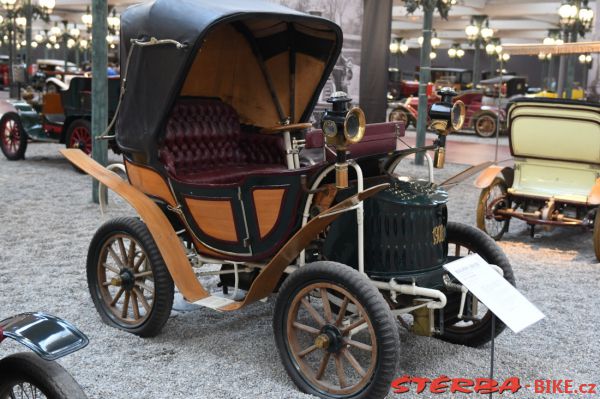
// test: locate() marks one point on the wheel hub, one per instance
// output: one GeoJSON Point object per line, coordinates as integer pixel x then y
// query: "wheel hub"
{"type": "Point", "coordinates": [330, 339]}
{"type": "Point", "coordinates": [126, 280]}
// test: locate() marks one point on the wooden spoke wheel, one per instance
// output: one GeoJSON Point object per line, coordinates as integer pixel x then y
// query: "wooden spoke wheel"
{"type": "Point", "coordinates": [485, 125]}
{"type": "Point", "coordinates": [328, 350]}
{"type": "Point", "coordinates": [13, 140]}
{"type": "Point", "coordinates": [127, 278]}
{"type": "Point", "coordinates": [79, 135]}
{"type": "Point", "coordinates": [474, 328]}
{"type": "Point", "coordinates": [491, 199]}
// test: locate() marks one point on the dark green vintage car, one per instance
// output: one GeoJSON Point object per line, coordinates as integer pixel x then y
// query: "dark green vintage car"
{"type": "Point", "coordinates": [63, 118]}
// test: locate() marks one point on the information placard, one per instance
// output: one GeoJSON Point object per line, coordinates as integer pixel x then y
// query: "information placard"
{"type": "Point", "coordinates": [504, 300]}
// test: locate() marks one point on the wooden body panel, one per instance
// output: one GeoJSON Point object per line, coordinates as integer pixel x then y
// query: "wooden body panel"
{"type": "Point", "coordinates": [149, 182]}
{"type": "Point", "coordinates": [52, 104]}
{"type": "Point", "coordinates": [267, 280]}
{"type": "Point", "coordinates": [214, 216]}
{"type": "Point", "coordinates": [267, 205]}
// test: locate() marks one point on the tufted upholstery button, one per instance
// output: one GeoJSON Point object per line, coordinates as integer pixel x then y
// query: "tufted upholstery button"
{"type": "Point", "coordinates": [205, 145]}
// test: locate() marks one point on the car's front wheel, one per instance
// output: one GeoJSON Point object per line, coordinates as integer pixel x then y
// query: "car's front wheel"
{"type": "Point", "coordinates": [346, 351]}
{"type": "Point", "coordinates": [128, 279]}
{"type": "Point", "coordinates": [13, 139]}
{"type": "Point", "coordinates": [25, 375]}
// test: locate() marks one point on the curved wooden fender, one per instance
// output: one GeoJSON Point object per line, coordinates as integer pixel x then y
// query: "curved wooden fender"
{"type": "Point", "coordinates": [487, 176]}
{"type": "Point", "coordinates": [159, 226]}
{"type": "Point", "coordinates": [267, 280]}
{"type": "Point", "coordinates": [594, 195]}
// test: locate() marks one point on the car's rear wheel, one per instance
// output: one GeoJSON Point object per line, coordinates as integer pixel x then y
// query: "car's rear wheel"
{"type": "Point", "coordinates": [485, 125]}
{"type": "Point", "coordinates": [13, 139]}
{"type": "Point", "coordinates": [335, 353]}
{"type": "Point", "coordinates": [128, 279]}
{"type": "Point", "coordinates": [491, 199]}
{"type": "Point", "coordinates": [597, 234]}
{"type": "Point", "coordinates": [474, 328]}
{"type": "Point", "coordinates": [399, 115]}
{"type": "Point", "coordinates": [79, 135]}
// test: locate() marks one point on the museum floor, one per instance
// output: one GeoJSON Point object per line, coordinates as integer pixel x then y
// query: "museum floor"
{"type": "Point", "coordinates": [47, 221]}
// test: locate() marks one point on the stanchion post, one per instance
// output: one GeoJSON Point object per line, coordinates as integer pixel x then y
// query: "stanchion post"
{"type": "Point", "coordinates": [99, 85]}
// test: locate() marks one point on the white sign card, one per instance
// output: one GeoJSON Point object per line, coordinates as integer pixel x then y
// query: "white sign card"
{"type": "Point", "coordinates": [504, 300]}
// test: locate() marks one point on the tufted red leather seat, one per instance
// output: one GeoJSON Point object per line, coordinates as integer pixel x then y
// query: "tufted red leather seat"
{"type": "Point", "coordinates": [205, 145]}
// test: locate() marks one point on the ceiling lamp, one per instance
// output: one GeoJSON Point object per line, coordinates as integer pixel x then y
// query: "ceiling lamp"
{"type": "Point", "coordinates": [479, 29]}
{"type": "Point", "coordinates": [87, 18]}
{"type": "Point", "coordinates": [114, 21]}
{"type": "Point", "coordinates": [75, 32]}
{"type": "Point", "coordinates": [435, 41]}
{"type": "Point", "coordinates": [472, 32]}
{"type": "Point", "coordinates": [47, 5]}
{"type": "Point", "coordinates": [585, 59]}
{"type": "Point", "coordinates": [567, 13]}
{"type": "Point", "coordinates": [432, 55]}
{"type": "Point", "coordinates": [55, 30]}
{"type": "Point", "coordinates": [8, 4]}
{"type": "Point", "coordinates": [487, 33]}
{"type": "Point", "coordinates": [21, 22]}
{"type": "Point", "coordinates": [34, 44]}
{"type": "Point", "coordinates": [455, 52]}
{"type": "Point", "coordinates": [39, 38]}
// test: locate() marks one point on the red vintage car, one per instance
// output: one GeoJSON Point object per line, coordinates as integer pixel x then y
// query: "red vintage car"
{"type": "Point", "coordinates": [482, 111]}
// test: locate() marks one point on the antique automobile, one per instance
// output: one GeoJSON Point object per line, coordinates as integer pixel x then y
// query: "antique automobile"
{"type": "Point", "coordinates": [554, 181]}
{"type": "Point", "coordinates": [400, 88]}
{"type": "Point", "coordinates": [222, 171]}
{"type": "Point", "coordinates": [484, 111]}
{"type": "Point", "coordinates": [481, 118]}
{"type": "Point", "coordinates": [50, 75]}
{"type": "Point", "coordinates": [37, 375]}
{"type": "Point", "coordinates": [64, 118]}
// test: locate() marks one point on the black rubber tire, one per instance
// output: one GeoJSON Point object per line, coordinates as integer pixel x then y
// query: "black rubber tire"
{"type": "Point", "coordinates": [596, 234]}
{"type": "Point", "coordinates": [163, 283]}
{"type": "Point", "coordinates": [49, 377]}
{"type": "Point", "coordinates": [478, 130]}
{"type": "Point", "coordinates": [385, 327]}
{"type": "Point", "coordinates": [480, 243]}
{"type": "Point", "coordinates": [483, 203]}
{"type": "Point", "coordinates": [20, 152]}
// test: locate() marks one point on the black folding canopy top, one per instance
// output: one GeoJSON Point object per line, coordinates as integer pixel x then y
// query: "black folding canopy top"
{"type": "Point", "coordinates": [267, 61]}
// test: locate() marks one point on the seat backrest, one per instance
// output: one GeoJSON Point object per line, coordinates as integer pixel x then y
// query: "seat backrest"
{"type": "Point", "coordinates": [555, 130]}
{"type": "Point", "coordinates": [201, 134]}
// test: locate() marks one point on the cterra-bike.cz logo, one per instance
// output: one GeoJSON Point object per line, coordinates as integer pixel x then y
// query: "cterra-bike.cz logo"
{"type": "Point", "coordinates": [484, 386]}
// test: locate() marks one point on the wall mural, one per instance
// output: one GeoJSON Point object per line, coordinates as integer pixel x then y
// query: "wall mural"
{"type": "Point", "coordinates": [349, 15]}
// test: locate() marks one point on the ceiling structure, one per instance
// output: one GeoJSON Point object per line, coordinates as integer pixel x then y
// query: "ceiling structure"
{"type": "Point", "coordinates": [514, 21]}
{"type": "Point", "coordinates": [73, 10]}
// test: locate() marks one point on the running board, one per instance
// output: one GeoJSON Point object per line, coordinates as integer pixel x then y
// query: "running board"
{"type": "Point", "coordinates": [214, 302]}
